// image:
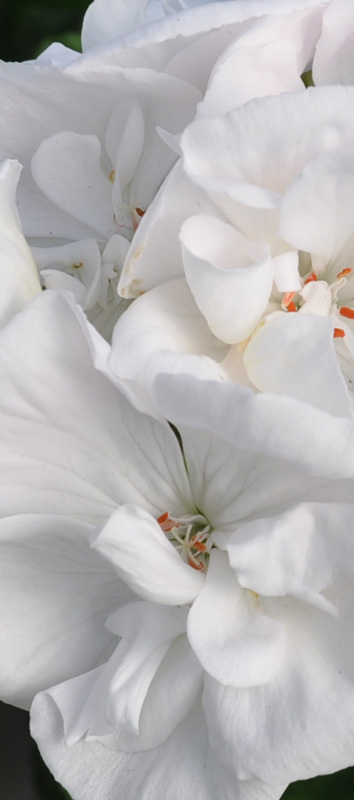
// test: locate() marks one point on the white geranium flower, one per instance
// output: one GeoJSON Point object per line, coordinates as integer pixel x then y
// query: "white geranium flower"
{"type": "Point", "coordinates": [227, 570]}
{"type": "Point", "coordinates": [18, 273]}
{"type": "Point", "coordinates": [266, 230]}
{"type": "Point", "coordinates": [92, 162]}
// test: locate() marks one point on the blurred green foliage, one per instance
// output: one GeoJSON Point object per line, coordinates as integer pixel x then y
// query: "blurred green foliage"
{"type": "Point", "coordinates": [28, 26]}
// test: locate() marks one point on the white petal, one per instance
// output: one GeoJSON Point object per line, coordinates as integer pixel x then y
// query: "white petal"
{"type": "Point", "coordinates": [333, 62]}
{"type": "Point", "coordinates": [236, 643]}
{"type": "Point", "coordinates": [133, 684]}
{"type": "Point", "coordinates": [298, 552]}
{"type": "Point", "coordinates": [229, 276]}
{"type": "Point", "coordinates": [18, 272]}
{"type": "Point", "coordinates": [166, 332]}
{"type": "Point", "coordinates": [55, 597]}
{"type": "Point", "coordinates": [81, 260]}
{"type": "Point", "coordinates": [124, 139]}
{"type": "Point", "coordinates": [294, 354]}
{"type": "Point", "coordinates": [265, 144]}
{"type": "Point", "coordinates": [142, 555]}
{"type": "Point", "coordinates": [155, 252]}
{"type": "Point", "coordinates": [300, 724]}
{"type": "Point", "coordinates": [262, 423]}
{"type": "Point", "coordinates": [286, 272]}
{"type": "Point", "coordinates": [317, 211]}
{"type": "Point", "coordinates": [184, 766]}
{"type": "Point", "coordinates": [67, 169]}
{"type": "Point", "coordinates": [267, 59]}
{"type": "Point", "coordinates": [77, 448]}
{"type": "Point", "coordinates": [105, 20]}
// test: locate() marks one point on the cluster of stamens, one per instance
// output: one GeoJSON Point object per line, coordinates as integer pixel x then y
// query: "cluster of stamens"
{"type": "Point", "coordinates": [293, 301]}
{"type": "Point", "coordinates": [190, 536]}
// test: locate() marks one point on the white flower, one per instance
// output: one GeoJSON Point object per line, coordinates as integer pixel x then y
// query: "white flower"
{"type": "Point", "coordinates": [86, 135]}
{"type": "Point", "coordinates": [259, 502]}
{"type": "Point", "coordinates": [266, 229]}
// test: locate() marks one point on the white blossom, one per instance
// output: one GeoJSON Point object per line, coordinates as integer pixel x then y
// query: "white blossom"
{"type": "Point", "coordinates": [104, 521]}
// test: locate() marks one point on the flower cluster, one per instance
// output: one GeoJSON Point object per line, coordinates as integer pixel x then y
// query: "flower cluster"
{"type": "Point", "coordinates": [176, 458]}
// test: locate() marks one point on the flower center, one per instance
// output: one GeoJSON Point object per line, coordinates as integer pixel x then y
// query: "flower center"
{"type": "Point", "coordinates": [318, 296]}
{"type": "Point", "coordinates": [190, 535]}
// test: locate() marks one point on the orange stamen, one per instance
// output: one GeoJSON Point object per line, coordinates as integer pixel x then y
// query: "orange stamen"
{"type": "Point", "coordinates": [166, 523]}
{"type": "Point", "coordinates": [345, 311]}
{"type": "Point", "coordinates": [312, 277]}
{"type": "Point", "coordinates": [287, 299]}
{"type": "Point", "coordinates": [199, 546]}
{"type": "Point", "coordinates": [140, 212]}
{"type": "Point", "coordinates": [195, 564]}
{"type": "Point", "coordinates": [338, 333]}
{"type": "Point", "coordinates": [344, 272]}
{"type": "Point", "coordinates": [291, 307]}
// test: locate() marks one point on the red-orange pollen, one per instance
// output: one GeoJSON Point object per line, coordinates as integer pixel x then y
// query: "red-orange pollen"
{"type": "Point", "coordinates": [287, 302]}
{"type": "Point", "coordinates": [312, 277]}
{"type": "Point", "coordinates": [347, 312]}
{"type": "Point", "coordinates": [344, 272]}
{"type": "Point", "coordinates": [338, 333]}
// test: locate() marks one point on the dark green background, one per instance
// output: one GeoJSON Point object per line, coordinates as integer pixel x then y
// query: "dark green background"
{"type": "Point", "coordinates": [26, 28]}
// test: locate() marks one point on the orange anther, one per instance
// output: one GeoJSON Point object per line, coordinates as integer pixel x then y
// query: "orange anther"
{"type": "Point", "coordinates": [199, 546]}
{"type": "Point", "coordinates": [312, 277]}
{"type": "Point", "coordinates": [292, 307]}
{"type": "Point", "coordinates": [166, 523]}
{"type": "Point", "coordinates": [195, 564]}
{"type": "Point", "coordinates": [338, 333]}
{"type": "Point", "coordinates": [344, 272]}
{"type": "Point", "coordinates": [140, 212]}
{"type": "Point", "coordinates": [345, 311]}
{"type": "Point", "coordinates": [287, 299]}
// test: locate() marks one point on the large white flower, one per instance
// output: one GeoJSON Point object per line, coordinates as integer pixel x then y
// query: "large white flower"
{"type": "Point", "coordinates": [227, 574]}
{"type": "Point", "coordinates": [260, 228]}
